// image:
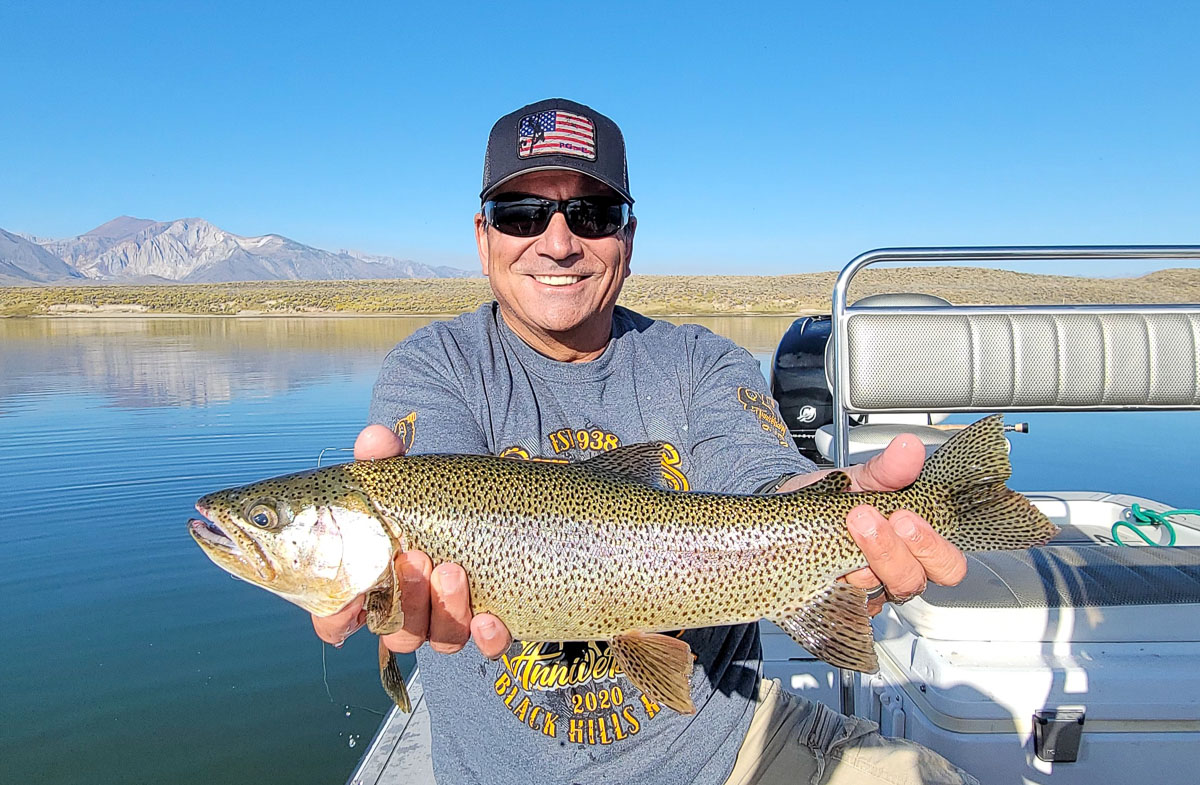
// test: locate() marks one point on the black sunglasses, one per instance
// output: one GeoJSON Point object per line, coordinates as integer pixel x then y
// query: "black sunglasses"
{"type": "Point", "coordinates": [591, 217]}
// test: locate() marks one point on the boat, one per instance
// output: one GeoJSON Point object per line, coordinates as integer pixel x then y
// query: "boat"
{"type": "Point", "coordinates": [1072, 663]}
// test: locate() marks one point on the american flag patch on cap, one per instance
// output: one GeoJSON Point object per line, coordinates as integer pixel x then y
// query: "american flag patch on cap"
{"type": "Point", "coordinates": [556, 132]}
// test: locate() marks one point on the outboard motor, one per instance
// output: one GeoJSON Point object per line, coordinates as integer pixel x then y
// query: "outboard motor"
{"type": "Point", "coordinates": [798, 381]}
{"type": "Point", "coordinates": [801, 374]}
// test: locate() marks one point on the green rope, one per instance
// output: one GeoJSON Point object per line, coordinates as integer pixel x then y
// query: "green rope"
{"type": "Point", "coordinates": [1148, 518]}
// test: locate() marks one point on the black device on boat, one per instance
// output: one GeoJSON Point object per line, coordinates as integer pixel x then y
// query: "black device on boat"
{"type": "Point", "coordinates": [798, 381]}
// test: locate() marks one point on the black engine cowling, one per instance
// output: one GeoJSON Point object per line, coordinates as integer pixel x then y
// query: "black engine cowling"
{"type": "Point", "coordinates": [798, 381]}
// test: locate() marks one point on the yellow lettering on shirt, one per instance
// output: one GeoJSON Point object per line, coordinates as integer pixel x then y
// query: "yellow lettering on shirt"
{"type": "Point", "coordinates": [765, 408]}
{"type": "Point", "coordinates": [406, 429]}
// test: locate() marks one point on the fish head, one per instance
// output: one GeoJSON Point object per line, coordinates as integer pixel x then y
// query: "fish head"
{"type": "Point", "coordinates": [313, 538]}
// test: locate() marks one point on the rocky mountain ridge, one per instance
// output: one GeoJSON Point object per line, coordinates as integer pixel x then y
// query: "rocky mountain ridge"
{"type": "Point", "coordinates": [24, 262]}
{"type": "Point", "coordinates": [189, 250]}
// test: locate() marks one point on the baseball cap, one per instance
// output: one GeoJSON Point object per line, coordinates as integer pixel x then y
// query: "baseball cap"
{"type": "Point", "coordinates": [555, 134]}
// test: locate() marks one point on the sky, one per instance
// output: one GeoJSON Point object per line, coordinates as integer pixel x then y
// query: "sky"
{"type": "Point", "coordinates": [762, 139]}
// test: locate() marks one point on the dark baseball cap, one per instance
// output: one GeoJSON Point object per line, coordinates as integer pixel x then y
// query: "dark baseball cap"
{"type": "Point", "coordinates": [555, 134]}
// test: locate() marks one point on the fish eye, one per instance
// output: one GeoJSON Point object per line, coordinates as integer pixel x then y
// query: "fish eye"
{"type": "Point", "coordinates": [262, 515]}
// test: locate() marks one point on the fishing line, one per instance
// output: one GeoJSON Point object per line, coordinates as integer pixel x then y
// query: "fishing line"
{"type": "Point", "coordinates": [324, 667]}
{"type": "Point", "coordinates": [325, 680]}
{"type": "Point", "coordinates": [325, 673]}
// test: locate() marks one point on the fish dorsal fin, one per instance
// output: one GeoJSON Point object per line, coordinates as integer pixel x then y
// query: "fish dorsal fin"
{"type": "Point", "coordinates": [639, 462]}
{"type": "Point", "coordinates": [833, 624]}
{"type": "Point", "coordinates": [658, 665]}
{"type": "Point", "coordinates": [834, 482]}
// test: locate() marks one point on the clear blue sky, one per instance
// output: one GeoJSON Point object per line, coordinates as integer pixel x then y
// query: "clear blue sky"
{"type": "Point", "coordinates": [763, 138]}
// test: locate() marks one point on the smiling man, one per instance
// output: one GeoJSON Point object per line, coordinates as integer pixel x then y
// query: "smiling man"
{"type": "Point", "coordinates": [554, 370]}
{"type": "Point", "coordinates": [557, 288]}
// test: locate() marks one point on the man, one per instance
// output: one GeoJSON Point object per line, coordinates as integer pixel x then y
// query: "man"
{"type": "Point", "coordinates": [553, 370]}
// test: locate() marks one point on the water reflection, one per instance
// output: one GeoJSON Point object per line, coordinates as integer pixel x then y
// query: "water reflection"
{"type": "Point", "coordinates": [153, 362]}
{"type": "Point", "coordinates": [138, 362]}
{"type": "Point", "coordinates": [759, 334]}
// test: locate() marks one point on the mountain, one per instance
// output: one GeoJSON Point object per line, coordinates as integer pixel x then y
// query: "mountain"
{"type": "Point", "coordinates": [411, 269]}
{"type": "Point", "coordinates": [24, 262]}
{"type": "Point", "coordinates": [79, 251]}
{"type": "Point", "coordinates": [192, 250]}
{"type": "Point", "coordinates": [120, 228]}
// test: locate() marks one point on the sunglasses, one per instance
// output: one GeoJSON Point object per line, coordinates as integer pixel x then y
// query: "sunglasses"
{"type": "Point", "coordinates": [590, 217]}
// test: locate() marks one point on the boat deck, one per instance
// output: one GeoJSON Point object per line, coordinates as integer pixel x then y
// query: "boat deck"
{"type": "Point", "coordinates": [399, 753]}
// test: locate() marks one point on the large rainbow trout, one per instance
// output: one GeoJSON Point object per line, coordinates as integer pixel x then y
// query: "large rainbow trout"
{"type": "Point", "coordinates": [598, 550]}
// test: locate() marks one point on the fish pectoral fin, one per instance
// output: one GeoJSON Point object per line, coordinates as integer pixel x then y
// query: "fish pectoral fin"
{"type": "Point", "coordinates": [392, 678]}
{"type": "Point", "coordinates": [834, 482]}
{"type": "Point", "coordinates": [385, 614]}
{"type": "Point", "coordinates": [638, 462]}
{"type": "Point", "coordinates": [834, 625]}
{"type": "Point", "coordinates": [658, 665]}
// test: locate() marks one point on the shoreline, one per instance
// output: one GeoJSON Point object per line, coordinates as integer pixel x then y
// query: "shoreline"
{"type": "Point", "coordinates": [99, 314]}
{"type": "Point", "coordinates": [652, 295]}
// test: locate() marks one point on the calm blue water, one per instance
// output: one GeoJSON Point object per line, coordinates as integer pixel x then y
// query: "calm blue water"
{"type": "Point", "coordinates": [129, 657]}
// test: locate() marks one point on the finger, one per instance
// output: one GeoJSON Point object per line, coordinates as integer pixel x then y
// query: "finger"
{"type": "Point", "coordinates": [887, 555]}
{"type": "Point", "coordinates": [490, 635]}
{"type": "Point", "coordinates": [894, 468]}
{"type": "Point", "coordinates": [375, 441]}
{"type": "Point", "coordinates": [337, 627]}
{"type": "Point", "coordinates": [450, 612]}
{"type": "Point", "coordinates": [413, 568]}
{"type": "Point", "coordinates": [942, 561]}
{"type": "Point", "coordinates": [876, 597]}
{"type": "Point", "coordinates": [864, 578]}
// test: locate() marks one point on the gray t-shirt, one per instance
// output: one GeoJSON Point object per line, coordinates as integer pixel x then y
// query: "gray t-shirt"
{"type": "Point", "coordinates": [564, 713]}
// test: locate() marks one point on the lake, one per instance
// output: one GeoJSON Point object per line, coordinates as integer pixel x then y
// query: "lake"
{"type": "Point", "coordinates": [129, 657]}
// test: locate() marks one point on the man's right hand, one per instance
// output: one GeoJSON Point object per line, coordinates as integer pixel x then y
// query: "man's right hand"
{"type": "Point", "coordinates": [436, 602]}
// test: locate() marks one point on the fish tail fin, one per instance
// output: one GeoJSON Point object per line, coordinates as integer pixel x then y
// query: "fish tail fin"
{"type": "Point", "coordinates": [968, 472]}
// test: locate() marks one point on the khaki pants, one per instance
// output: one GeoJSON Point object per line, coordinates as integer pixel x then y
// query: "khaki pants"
{"type": "Point", "coordinates": [793, 741]}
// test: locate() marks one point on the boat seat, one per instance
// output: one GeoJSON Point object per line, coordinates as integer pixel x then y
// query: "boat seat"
{"type": "Point", "coordinates": [985, 358]}
{"type": "Point", "coordinates": [1104, 593]}
{"type": "Point", "coordinates": [876, 430]}
{"type": "Point", "coordinates": [1009, 358]}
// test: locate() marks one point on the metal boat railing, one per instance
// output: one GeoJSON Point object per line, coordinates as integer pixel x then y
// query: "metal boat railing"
{"type": "Point", "coordinates": [1157, 326]}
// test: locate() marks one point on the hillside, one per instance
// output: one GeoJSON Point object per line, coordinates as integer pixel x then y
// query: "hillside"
{"type": "Point", "coordinates": [25, 263]}
{"type": "Point", "coordinates": [653, 294]}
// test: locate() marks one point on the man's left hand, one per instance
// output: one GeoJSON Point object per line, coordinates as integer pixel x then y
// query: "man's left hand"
{"type": "Point", "coordinates": [903, 551]}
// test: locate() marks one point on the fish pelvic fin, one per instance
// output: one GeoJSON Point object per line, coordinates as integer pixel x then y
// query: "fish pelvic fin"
{"type": "Point", "coordinates": [638, 462]}
{"type": "Point", "coordinates": [834, 625]}
{"type": "Point", "coordinates": [392, 678]}
{"type": "Point", "coordinates": [658, 665]}
{"type": "Point", "coordinates": [968, 473]}
{"type": "Point", "coordinates": [385, 612]}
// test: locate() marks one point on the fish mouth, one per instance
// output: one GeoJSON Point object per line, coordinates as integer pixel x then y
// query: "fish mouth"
{"type": "Point", "coordinates": [230, 547]}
